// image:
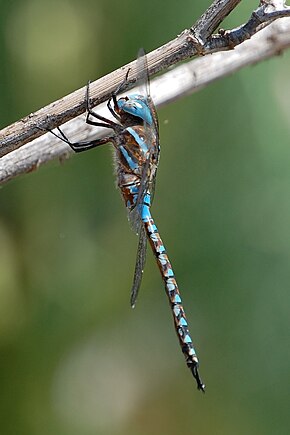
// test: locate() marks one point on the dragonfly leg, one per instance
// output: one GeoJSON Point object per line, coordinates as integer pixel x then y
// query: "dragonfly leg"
{"type": "Point", "coordinates": [119, 89]}
{"type": "Point", "coordinates": [109, 105]}
{"type": "Point", "coordinates": [86, 145]}
{"type": "Point", "coordinates": [122, 86]}
{"type": "Point", "coordinates": [106, 122]}
{"type": "Point", "coordinates": [81, 145]}
{"type": "Point", "coordinates": [78, 147]}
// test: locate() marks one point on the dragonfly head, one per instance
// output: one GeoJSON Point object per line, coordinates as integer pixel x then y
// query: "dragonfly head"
{"type": "Point", "coordinates": [137, 106]}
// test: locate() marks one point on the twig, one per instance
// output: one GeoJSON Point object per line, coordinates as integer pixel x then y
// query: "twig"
{"type": "Point", "coordinates": [265, 14]}
{"type": "Point", "coordinates": [190, 77]}
{"type": "Point", "coordinates": [186, 45]}
{"type": "Point", "coordinates": [193, 41]}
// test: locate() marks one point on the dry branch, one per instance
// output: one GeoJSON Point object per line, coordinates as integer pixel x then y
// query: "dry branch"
{"type": "Point", "coordinates": [262, 43]}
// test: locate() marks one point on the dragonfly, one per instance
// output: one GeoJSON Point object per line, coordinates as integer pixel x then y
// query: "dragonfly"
{"type": "Point", "coordinates": [135, 139]}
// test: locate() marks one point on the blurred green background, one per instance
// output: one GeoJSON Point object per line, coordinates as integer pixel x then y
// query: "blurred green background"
{"type": "Point", "coordinates": [74, 358]}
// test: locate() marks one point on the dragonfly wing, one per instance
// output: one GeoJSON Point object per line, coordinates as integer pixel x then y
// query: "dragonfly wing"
{"type": "Point", "coordinates": [139, 267]}
{"type": "Point", "coordinates": [142, 76]}
{"type": "Point", "coordinates": [148, 174]}
{"type": "Point", "coordinates": [135, 217]}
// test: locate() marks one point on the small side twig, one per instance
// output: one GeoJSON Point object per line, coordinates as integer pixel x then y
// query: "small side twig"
{"type": "Point", "coordinates": [263, 16]}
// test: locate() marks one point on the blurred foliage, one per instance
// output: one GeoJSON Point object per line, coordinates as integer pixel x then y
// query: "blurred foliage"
{"type": "Point", "coordinates": [74, 358]}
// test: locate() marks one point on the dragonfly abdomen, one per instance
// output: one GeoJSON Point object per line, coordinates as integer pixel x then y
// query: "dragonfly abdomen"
{"type": "Point", "coordinates": [172, 291]}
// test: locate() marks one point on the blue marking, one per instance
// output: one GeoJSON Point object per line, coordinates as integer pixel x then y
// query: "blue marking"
{"type": "Point", "coordinates": [138, 139]}
{"type": "Point", "coordinates": [133, 165]}
{"type": "Point", "coordinates": [160, 249]}
{"type": "Point", "coordinates": [147, 199]}
{"type": "Point", "coordinates": [183, 322]}
{"type": "Point", "coordinates": [177, 299]}
{"type": "Point", "coordinates": [136, 105]}
{"type": "Point", "coordinates": [134, 189]}
{"type": "Point", "coordinates": [134, 199]}
{"type": "Point", "coordinates": [187, 339]}
{"type": "Point", "coordinates": [145, 214]}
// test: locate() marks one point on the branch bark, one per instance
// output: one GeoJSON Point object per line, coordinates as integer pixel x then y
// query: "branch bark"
{"type": "Point", "coordinates": [262, 43]}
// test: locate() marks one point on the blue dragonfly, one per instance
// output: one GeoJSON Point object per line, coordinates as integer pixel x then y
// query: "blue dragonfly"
{"type": "Point", "coordinates": [135, 139]}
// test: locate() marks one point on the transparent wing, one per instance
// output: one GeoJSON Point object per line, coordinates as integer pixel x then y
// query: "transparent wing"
{"type": "Point", "coordinates": [148, 174]}
{"type": "Point", "coordinates": [147, 181]}
{"type": "Point", "coordinates": [143, 83]}
{"type": "Point", "coordinates": [139, 267]}
{"type": "Point", "coordinates": [142, 76]}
